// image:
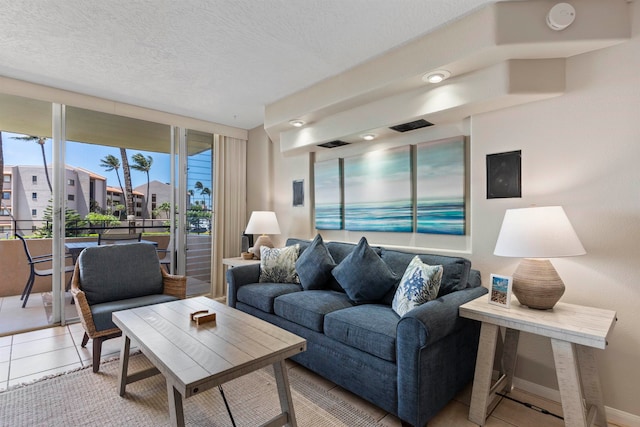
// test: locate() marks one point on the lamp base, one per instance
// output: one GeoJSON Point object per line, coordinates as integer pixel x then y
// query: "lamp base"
{"type": "Point", "coordinates": [537, 284]}
{"type": "Point", "coordinates": [263, 240]}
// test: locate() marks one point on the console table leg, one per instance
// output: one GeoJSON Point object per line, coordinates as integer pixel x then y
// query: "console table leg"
{"type": "Point", "coordinates": [124, 364]}
{"type": "Point", "coordinates": [176, 411]}
{"type": "Point", "coordinates": [482, 377]}
{"type": "Point", "coordinates": [284, 392]}
{"type": "Point", "coordinates": [591, 382]}
{"type": "Point", "coordinates": [564, 356]}
{"type": "Point", "coordinates": [510, 355]}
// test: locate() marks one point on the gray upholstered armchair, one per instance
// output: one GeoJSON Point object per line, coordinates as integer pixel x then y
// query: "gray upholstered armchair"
{"type": "Point", "coordinates": [118, 277]}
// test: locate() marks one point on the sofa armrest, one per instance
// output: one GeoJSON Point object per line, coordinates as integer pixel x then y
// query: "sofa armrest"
{"type": "Point", "coordinates": [437, 318]}
{"type": "Point", "coordinates": [436, 351]}
{"type": "Point", "coordinates": [238, 277]}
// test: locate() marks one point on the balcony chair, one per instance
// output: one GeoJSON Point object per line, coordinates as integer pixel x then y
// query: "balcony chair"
{"type": "Point", "coordinates": [118, 277]}
{"type": "Point", "coordinates": [33, 261]}
{"type": "Point", "coordinates": [118, 238]}
{"type": "Point", "coordinates": [166, 255]}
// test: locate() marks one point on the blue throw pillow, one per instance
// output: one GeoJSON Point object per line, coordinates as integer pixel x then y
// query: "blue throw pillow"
{"type": "Point", "coordinates": [419, 284]}
{"type": "Point", "coordinates": [314, 266]}
{"type": "Point", "coordinates": [363, 275]}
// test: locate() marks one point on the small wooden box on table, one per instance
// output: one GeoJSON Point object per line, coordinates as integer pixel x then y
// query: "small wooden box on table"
{"type": "Point", "coordinates": [575, 331]}
{"type": "Point", "coordinates": [194, 358]}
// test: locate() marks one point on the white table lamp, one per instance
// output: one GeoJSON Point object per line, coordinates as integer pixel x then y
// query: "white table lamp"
{"type": "Point", "coordinates": [536, 234]}
{"type": "Point", "coordinates": [263, 223]}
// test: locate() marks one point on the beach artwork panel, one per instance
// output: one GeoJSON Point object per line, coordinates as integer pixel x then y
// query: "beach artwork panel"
{"type": "Point", "coordinates": [440, 187]}
{"type": "Point", "coordinates": [377, 191]}
{"type": "Point", "coordinates": [328, 195]}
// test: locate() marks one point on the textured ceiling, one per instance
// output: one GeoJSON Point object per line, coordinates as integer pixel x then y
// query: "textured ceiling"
{"type": "Point", "coordinates": [216, 60]}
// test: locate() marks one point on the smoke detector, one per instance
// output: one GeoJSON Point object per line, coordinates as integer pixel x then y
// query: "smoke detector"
{"type": "Point", "coordinates": [561, 16]}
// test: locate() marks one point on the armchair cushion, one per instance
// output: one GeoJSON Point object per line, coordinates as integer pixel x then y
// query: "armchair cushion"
{"type": "Point", "coordinates": [107, 273]}
{"type": "Point", "coordinates": [102, 312]}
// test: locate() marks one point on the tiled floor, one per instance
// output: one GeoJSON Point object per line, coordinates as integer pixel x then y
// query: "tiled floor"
{"type": "Point", "coordinates": [33, 355]}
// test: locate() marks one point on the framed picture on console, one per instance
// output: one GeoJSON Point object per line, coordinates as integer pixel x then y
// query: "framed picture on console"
{"type": "Point", "coordinates": [500, 290]}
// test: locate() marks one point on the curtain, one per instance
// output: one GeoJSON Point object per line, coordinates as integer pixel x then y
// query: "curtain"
{"type": "Point", "coordinates": [230, 205]}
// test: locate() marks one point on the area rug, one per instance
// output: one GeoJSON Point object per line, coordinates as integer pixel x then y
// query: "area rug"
{"type": "Point", "coordinates": [83, 398]}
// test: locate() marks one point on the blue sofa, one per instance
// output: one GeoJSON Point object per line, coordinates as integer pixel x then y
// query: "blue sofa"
{"type": "Point", "coordinates": [410, 366]}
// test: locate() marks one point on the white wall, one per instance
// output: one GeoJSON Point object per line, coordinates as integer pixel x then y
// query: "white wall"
{"type": "Point", "coordinates": [580, 151]}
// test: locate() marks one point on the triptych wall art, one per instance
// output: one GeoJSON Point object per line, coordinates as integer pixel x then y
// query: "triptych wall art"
{"type": "Point", "coordinates": [417, 188]}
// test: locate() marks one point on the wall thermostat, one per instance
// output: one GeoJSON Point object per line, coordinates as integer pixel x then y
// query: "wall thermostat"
{"type": "Point", "coordinates": [561, 16]}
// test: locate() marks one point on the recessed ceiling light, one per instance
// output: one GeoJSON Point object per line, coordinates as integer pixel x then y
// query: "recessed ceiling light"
{"type": "Point", "coordinates": [369, 136]}
{"type": "Point", "coordinates": [297, 123]}
{"type": "Point", "coordinates": [436, 76]}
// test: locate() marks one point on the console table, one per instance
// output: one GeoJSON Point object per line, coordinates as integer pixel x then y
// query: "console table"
{"type": "Point", "coordinates": [575, 331]}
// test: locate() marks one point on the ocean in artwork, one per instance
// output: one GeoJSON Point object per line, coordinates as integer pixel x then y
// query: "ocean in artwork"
{"type": "Point", "coordinates": [380, 216]}
{"type": "Point", "coordinates": [440, 187]}
{"type": "Point", "coordinates": [500, 284]}
{"type": "Point", "coordinates": [377, 191]}
{"type": "Point", "coordinates": [329, 216]}
{"type": "Point", "coordinates": [441, 216]}
{"type": "Point", "coordinates": [328, 195]}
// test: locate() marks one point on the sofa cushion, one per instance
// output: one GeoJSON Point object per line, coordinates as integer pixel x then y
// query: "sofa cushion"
{"type": "Point", "coordinates": [303, 244]}
{"type": "Point", "coordinates": [262, 295]}
{"type": "Point", "coordinates": [314, 266]}
{"type": "Point", "coordinates": [363, 275]}
{"type": "Point", "coordinates": [101, 313]}
{"type": "Point", "coordinates": [309, 308]}
{"type": "Point", "coordinates": [455, 270]}
{"type": "Point", "coordinates": [370, 328]}
{"type": "Point", "coordinates": [118, 272]}
{"type": "Point", "coordinates": [278, 265]}
{"type": "Point", "coordinates": [420, 283]}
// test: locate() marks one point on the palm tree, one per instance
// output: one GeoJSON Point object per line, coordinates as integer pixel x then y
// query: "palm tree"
{"type": "Point", "coordinates": [112, 163]}
{"type": "Point", "coordinates": [131, 209]}
{"type": "Point", "coordinates": [206, 192]}
{"type": "Point", "coordinates": [143, 164]}
{"type": "Point", "coordinates": [40, 140]}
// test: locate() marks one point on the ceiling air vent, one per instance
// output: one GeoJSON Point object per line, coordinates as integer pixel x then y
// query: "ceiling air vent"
{"type": "Point", "coordinates": [333, 144]}
{"type": "Point", "coordinates": [406, 127]}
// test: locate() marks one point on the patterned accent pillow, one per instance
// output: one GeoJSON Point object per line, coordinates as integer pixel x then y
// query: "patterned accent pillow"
{"type": "Point", "coordinates": [420, 283]}
{"type": "Point", "coordinates": [278, 265]}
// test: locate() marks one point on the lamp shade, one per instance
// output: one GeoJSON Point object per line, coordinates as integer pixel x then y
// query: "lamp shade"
{"type": "Point", "coordinates": [537, 232]}
{"type": "Point", "coordinates": [263, 222]}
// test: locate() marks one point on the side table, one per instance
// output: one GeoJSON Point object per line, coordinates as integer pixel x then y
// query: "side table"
{"type": "Point", "coordinates": [575, 331]}
{"type": "Point", "coordinates": [236, 262]}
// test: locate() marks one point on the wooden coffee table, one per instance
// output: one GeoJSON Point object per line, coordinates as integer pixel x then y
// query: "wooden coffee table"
{"type": "Point", "coordinates": [196, 358]}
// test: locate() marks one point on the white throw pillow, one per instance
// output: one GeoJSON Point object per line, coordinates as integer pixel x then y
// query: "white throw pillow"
{"type": "Point", "coordinates": [420, 283]}
{"type": "Point", "coordinates": [278, 265]}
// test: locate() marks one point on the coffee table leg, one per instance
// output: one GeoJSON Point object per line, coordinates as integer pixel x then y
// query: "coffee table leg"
{"type": "Point", "coordinates": [284, 392]}
{"type": "Point", "coordinates": [124, 363]}
{"type": "Point", "coordinates": [175, 406]}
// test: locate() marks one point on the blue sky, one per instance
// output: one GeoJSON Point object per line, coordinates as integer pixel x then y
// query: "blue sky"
{"type": "Point", "coordinates": [86, 156]}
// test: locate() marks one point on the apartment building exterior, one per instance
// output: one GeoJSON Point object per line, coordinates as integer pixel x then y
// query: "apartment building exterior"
{"type": "Point", "coordinates": [26, 195]}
